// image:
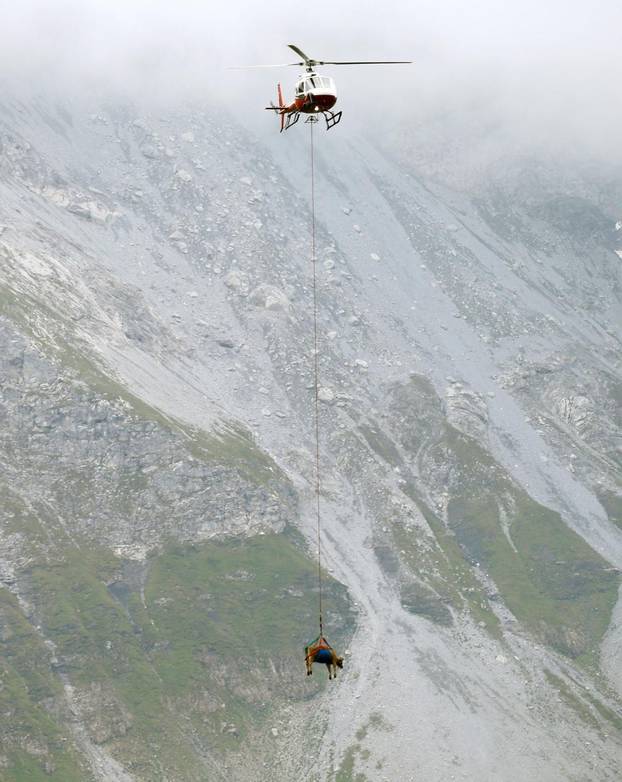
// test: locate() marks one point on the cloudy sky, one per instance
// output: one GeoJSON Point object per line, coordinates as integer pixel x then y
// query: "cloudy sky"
{"type": "Point", "coordinates": [543, 68]}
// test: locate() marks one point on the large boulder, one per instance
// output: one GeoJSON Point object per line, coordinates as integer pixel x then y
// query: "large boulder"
{"type": "Point", "coordinates": [270, 298]}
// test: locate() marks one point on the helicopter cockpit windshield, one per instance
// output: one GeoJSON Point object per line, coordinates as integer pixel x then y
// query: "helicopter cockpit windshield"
{"type": "Point", "coordinates": [316, 85]}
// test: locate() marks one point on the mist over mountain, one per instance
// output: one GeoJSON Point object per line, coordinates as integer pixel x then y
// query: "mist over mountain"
{"type": "Point", "coordinates": [536, 75]}
{"type": "Point", "coordinates": [157, 510]}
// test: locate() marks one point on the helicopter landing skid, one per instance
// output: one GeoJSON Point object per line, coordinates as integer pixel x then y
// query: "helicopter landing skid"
{"type": "Point", "coordinates": [331, 118]}
{"type": "Point", "coordinates": [290, 119]}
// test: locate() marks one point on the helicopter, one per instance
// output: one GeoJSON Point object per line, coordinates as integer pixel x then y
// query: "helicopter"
{"type": "Point", "coordinates": [313, 94]}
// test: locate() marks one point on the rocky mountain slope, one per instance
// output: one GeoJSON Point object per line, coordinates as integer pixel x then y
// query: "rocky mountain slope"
{"type": "Point", "coordinates": [157, 560]}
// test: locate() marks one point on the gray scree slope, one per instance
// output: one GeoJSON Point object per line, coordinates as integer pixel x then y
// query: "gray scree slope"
{"type": "Point", "coordinates": [155, 291]}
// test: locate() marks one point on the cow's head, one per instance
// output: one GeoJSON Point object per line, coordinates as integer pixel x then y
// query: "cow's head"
{"type": "Point", "coordinates": [339, 662]}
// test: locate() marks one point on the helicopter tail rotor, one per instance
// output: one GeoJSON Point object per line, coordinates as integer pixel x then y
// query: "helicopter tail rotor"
{"type": "Point", "coordinates": [279, 92]}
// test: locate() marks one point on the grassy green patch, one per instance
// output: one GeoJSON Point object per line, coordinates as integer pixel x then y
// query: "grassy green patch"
{"type": "Point", "coordinates": [228, 444]}
{"type": "Point", "coordinates": [232, 445]}
{"type": "Point", "coordinates": [253, 597]}
{"type": "Point", "coordinates": [612, 503]}
{"type": "Point", "coordinates": [449, 576]}
{"type": "Point", "coordinates": [30, 521]}
{"type": "Point", "coordinates": [443, 578]}
{"type": "Point", "coordinates": [35, 746]}
{"type": "Point", "coordinates": [346, 771]}
{"type": "Point", "coordinates": [422, 600]}
{"type": "Point", "coordinates": [347, 768]}
{"type": "Point", "coordinates": [203, 650]}
{"type": "Point", "coordinates": [555, 584]}
{"type": "Point", "coordinates": [579, 706]}
{"type": "Point", "coordinates": [381, 444]}
{"type": "Point", "coordinates": [609, 715]}
{"type": "Point", "coordinates": [54, 766]}
{"type": "Point", "coordinates": [375, 721]}
{"type": "Point", "coordinates": [417, 412]}
{"type": "Point", "coordinates": [549, 577]}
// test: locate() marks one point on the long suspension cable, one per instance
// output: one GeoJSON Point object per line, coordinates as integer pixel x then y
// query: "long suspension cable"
{"type": "Point", "coordinates": [316, 382]}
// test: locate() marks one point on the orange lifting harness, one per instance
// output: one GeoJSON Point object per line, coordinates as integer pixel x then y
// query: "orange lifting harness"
{"type": "Point", "coordinates": [320, 644]}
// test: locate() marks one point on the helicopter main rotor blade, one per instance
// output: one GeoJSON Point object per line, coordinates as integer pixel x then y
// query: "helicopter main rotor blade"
{"type": "Point", "coordinates": [366, 62]}
{"type": "Point", "coordinates": [300, 53]}
{"type": "Point", "coordinates": [279, 65]}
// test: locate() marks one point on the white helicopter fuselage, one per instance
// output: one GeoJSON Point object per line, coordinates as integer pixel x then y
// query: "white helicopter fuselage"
{"type": "Point", "coordinates": [314, 93]}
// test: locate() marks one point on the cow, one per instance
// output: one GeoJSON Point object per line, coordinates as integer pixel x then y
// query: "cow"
{"type": "Point", "coordinates": [320, 651]}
